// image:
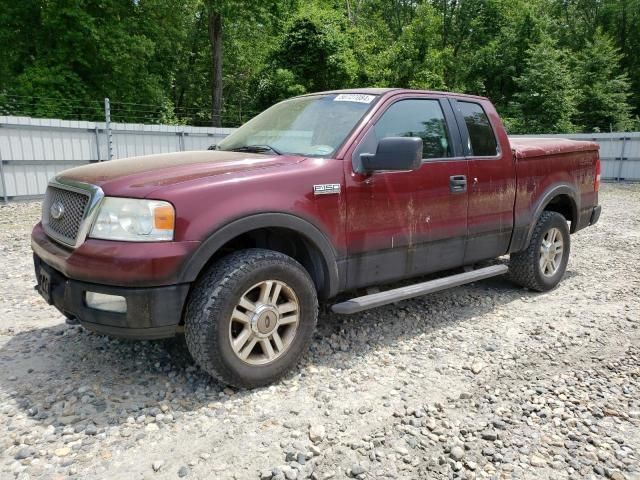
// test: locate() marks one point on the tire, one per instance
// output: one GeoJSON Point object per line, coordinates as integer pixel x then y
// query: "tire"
{"type": "Point", "coordinates": [246, 296]}
{"type": "Point", "coordinates": [526, 267]}
{"type": "Point", "coordinates": [70, 319]}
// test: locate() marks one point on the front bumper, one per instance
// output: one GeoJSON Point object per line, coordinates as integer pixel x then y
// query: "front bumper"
{"type": "Point", "coordinates": [151, 313]}
{"type": "Point", "coordinates": [129, 264]}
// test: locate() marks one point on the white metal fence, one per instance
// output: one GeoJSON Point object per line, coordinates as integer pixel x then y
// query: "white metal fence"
{"type": "Point", "coordinates": [34, 150]}
{"type": "Point", "coordinates": [619, 152]}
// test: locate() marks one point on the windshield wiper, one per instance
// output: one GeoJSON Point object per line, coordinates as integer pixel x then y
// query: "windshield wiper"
{"type": "Point", "coordinates": [256, 149]}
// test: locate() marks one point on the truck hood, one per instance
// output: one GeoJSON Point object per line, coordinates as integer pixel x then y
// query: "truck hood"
{"type": "Point", "coordinates": [138, 176]}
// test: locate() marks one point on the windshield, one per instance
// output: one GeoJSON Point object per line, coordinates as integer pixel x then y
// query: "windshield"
{"type": "Point", "coordinates": [311, 126]}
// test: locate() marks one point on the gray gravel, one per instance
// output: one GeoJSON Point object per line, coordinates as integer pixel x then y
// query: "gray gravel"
{"type": "Point", "coordinates": [483, 381]}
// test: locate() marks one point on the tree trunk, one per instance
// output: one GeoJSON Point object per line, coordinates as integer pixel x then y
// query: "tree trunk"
{"type": "Point", "coordinates": [215, 39]}
{"type": "Point", "coordinates": [623, 29]}
{"type": "Point", "coordinates": [181, 88]}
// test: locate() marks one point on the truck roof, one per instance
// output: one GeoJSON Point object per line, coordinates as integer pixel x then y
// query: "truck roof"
{"type": "Point", "coordinates": [384, 91]}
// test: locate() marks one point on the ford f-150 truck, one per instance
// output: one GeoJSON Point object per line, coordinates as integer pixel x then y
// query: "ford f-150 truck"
{"type": "Point", "coordinates": [319, 195]}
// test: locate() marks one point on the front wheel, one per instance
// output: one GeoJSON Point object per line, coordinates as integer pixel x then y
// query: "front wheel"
{"type": "Point", "coordinates": [251, 317]}
{"type": "Point", "coordinates": [542, 265]}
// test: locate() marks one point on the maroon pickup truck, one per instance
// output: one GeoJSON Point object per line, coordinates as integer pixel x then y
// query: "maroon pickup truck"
{"type": "Point", "coordinates": [318, 195]}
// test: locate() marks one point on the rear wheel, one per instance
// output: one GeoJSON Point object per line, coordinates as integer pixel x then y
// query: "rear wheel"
{"type": "Point", "coordinates": [251, 317]}
{"type": "Point", "coordinates": [542, 265]}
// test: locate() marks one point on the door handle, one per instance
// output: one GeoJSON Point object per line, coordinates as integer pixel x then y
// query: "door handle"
{"type": "Point", "coordinates": [458, 183]}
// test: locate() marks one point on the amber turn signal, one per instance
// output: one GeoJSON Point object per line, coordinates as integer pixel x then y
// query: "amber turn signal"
{"type": "Point", "coordinates": [163, 218]}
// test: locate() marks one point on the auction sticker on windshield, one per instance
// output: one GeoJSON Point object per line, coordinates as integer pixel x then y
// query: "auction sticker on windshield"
{"type": "Point", "coordinates": [354, 97]}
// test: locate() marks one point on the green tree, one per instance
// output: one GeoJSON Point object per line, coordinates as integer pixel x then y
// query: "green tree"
{"type": "Point", "coordinates": [397, 13]}
{"type": "Point", "coordinates": [621, 20]}
{"type": "Point", "coordinates": [602, 103]}
{"type": "Point", "coordinates": [546, 99]}
{"type": "Point", "coordinates": [314, 54]}
{"type": "Point", "coordinates": [219, 61]}
{"type": "Point", "coordinates": [70, 55]}
{"type": "Point", "coordinates": [491, 54]}
{"type": "Point", "coordinates": [276, 85]}
{"type": "Point", "coordinates": [226, 12]}
{"type": "Point", "coordinates": [416, 59]}
{"type": "Point", "coordinates": [581, 21]}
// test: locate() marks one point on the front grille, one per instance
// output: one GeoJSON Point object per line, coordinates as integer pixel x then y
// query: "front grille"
{"type": "Point", "coordinates": [71, 207]}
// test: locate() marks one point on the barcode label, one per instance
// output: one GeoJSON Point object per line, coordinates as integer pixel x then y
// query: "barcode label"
{"type": "Point", "coordinates": [354, 97]}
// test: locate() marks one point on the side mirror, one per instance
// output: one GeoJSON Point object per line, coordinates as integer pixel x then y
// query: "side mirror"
{"type": "Point", "coordinates": [394, 153]}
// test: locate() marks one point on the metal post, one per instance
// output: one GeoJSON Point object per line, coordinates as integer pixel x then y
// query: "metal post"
{"type": "Point", "coordinates": [624, 142]}
{"type": "Point", "coordinates": [181, 141]}
{"type": "Point", "coordinates": [4, 183]}
{"type": "Point", "coordinates": [97, 131]}
{"type": "Point", "coordinates": [107, 116]}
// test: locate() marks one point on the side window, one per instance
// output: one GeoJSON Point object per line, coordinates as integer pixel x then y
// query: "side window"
{"type": "Point", "coordinates": [481, 137]}
{"type": "Point", "coordinates": [417, 118]}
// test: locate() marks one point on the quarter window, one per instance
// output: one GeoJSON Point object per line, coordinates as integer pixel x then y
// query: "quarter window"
{"type": "Point", "coordinates": [482, 141]}
{"type": "Point", "coordinates": [417, 118]}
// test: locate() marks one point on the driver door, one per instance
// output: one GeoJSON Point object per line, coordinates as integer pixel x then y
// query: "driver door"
{"type": "Point", "coordinates": [402, 224]}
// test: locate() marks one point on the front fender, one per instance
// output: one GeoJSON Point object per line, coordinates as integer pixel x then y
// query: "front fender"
{"type": "Point", "coordinates": [199, 259]}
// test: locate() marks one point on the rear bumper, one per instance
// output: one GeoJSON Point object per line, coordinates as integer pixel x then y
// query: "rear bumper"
{"type": "Point", "coordinates": [151, 313]}
{"type": "Point", "coordinates": [595, 215]}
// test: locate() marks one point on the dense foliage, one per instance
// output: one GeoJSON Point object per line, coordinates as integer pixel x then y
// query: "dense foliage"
{"type": "Point", "coordinates": [548, 65]}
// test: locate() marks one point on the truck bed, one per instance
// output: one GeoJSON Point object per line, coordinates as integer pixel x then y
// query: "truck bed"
{"type": "Point", "coordinates": [558, 165]}
{"type": "Point", "coordinates": [529, 147]}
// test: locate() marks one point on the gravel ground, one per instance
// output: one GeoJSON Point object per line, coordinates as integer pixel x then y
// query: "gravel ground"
{"type": "Point", "coordinates": [483, 381]}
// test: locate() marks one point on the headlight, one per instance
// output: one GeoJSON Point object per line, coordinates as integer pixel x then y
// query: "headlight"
{"type": "Point", "coordinates": [134, 220]}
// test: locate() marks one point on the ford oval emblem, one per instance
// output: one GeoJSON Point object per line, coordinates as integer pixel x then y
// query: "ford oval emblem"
{"type": "Point", "coordinates": [57, 210]}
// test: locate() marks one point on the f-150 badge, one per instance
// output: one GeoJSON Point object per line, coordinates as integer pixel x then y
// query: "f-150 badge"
{"type": "Point", "coordinates": [326, 188]}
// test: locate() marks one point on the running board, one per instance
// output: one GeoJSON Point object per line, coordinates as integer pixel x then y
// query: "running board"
{"type": "Point", "coordinates": [359, 304]}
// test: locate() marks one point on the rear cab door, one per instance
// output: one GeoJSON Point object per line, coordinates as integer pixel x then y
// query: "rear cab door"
{"type": "Point", "coordinates": [492, 178]}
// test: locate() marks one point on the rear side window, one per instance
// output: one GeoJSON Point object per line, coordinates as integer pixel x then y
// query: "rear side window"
{"type": "Point", "coordinates": [417, 118]}
{"type": "Point", "coordinates": [482, 141]}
